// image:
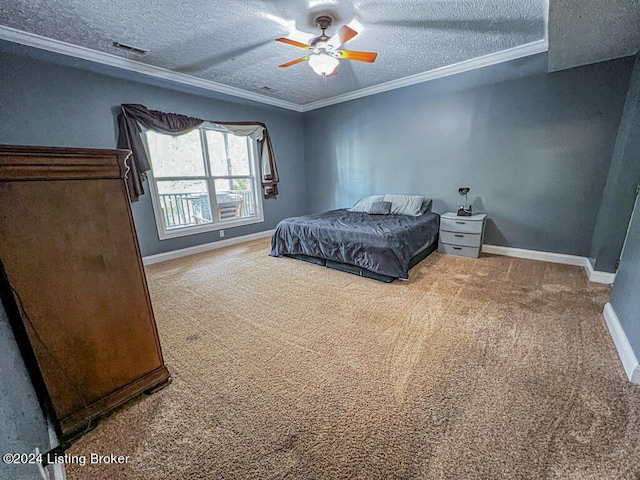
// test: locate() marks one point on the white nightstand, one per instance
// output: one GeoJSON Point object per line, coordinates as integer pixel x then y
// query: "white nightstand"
{"type": "Point", "coordinates": [461, 236]}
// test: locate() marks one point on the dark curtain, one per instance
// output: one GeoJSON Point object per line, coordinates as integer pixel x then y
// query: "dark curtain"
{"type": "Point", "coordinates": [133, 118]}
{"type": "Point", "coordinates": [130, 120]}
{"type": "Point", "coordinates": [259, 132]}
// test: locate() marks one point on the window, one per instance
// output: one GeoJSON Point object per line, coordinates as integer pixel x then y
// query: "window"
{"type": "Point", "coordinates": [203, 180]}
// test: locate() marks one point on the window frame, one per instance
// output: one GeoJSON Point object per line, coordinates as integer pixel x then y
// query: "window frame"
{"type": "Point", "coordinates": [215, 225]}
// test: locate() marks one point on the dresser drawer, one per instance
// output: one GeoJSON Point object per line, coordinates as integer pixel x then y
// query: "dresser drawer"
{"type": "Point", "coordinates": [471, 252]}
{"type": "Point", "coordinates": [460, 225]}
{"type": "Point", "coordinates": [462, 239]}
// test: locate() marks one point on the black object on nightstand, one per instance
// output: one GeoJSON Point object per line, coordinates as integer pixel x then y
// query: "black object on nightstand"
{"type": "Point", "coordinates": [465, 211]}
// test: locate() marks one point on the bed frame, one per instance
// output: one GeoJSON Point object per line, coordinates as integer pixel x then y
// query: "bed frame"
{"type": "Point", "coordinates": [363, 272]}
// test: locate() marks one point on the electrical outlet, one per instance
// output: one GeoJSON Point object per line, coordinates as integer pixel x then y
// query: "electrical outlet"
{"type": "Point", "coordinates": [221, 233]}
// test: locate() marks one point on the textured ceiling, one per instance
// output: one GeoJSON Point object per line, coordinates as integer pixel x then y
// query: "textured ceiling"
{"type": "Point", "coordinates": [232, 43]}
{"type": "Point", "coordinates": [589, 31]}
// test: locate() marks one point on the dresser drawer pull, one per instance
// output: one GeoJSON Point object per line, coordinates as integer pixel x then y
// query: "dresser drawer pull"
{"type": "Point", "coordinates": [461, 223]}
{"type": "Point", "coordinates": [457, 248]}
{"type": "Point", "coordinates": [458, 235]}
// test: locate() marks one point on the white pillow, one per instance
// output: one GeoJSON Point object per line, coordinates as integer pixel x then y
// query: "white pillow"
{"type": "Point", "coordinates": [364, 204]}
{"type": "Point", "coordinates": [426, 205]}
{"type": "Point", "coordinates": [406, 204]}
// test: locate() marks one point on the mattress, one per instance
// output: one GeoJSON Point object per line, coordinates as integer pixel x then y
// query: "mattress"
{"type": "Point", "coordinates": [383, 244]}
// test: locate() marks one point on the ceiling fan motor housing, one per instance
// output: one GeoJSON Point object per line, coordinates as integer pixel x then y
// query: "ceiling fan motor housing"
{"type": "Point", "coordinates": [323, 23]}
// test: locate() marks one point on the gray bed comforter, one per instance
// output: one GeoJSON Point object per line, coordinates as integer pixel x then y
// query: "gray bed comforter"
{"type": "Point", "coordinates": [380, 243]}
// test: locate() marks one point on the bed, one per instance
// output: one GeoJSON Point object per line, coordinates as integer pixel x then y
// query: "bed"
{"type": "Point", "coordinates": [379, 242]}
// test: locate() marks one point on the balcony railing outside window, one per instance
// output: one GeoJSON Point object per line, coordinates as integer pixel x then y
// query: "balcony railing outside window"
{"type": "Point", "coordinates": [184, 209]}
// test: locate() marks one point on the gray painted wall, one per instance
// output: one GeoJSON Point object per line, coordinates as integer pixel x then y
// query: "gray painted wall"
{"type": "Point", "coordinates": [624, 295]}
{"type": "Point", "coordinates": [22, 423]}
{"type": "Point", "coordinates": [619, 193]}
{"type": "Point", "coordinates": [49, 99]}
{"type": "Point", "coordinates": [534, 147]}
{"type": "Point", "coordinates": [625, 299]}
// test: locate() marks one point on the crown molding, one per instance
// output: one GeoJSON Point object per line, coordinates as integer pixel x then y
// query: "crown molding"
{"type": "Point", "coordinates": [64, 48]}
{"type": "Point", "coordinates": [514, 53]}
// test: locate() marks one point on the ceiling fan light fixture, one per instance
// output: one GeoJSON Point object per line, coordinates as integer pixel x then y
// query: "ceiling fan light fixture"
{"type": "Point", "coordinates": [323, 63]}
{"type": "Point", "coordinates": [325, 52]}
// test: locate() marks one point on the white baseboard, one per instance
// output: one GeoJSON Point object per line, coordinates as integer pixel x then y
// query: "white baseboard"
{"type": "Point", "coordinates": [597, 276]}
{"type": "Point", "coordinates": [593, 275]}
{"type": "Point", "coordinates": [205, 247]}
{"type": "Point", "coordinates": [535, 255]}
{"type": "Point", "coordinates": [53, 471]}
{"type": "Point", "coordinates": [626, 353]}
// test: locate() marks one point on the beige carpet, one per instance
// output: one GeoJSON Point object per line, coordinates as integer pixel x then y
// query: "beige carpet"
{"type": "Point", "coordinates": [473, 369]}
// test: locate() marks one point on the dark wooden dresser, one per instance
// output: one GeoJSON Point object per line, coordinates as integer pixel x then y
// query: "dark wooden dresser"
{"type": "Point", "coordinates": [73, 282]}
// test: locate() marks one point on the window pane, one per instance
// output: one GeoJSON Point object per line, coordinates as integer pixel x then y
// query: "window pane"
{"type": "Point", "coordinates": [184, 203]}
{"type": "Point", "coordinates": [238, 155]}
{"type": "Point", "coordinates": [179, 156]}
{"type": "Point", "coordinates": [231, 159]}
{"type": "Point", "coordinates": [235, 198]}
{"type": "Point", "coordinates": [217, 153]}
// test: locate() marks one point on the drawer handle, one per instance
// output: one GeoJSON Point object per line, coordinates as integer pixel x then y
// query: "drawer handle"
{"type": "Point", "coordinates": [459, 236]}
{"type": "Point", "coordinates": [461, 223]}
{"type": "Point", "coordinates": [457, 248]}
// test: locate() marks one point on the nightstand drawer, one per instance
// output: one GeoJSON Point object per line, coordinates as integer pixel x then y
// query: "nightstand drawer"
{"type": "Point", "coordinates": [471, 252]}
{"type": "Point", "coordinates": [461, 239]}
{"type": "Point", "coordinates": [460, 225]}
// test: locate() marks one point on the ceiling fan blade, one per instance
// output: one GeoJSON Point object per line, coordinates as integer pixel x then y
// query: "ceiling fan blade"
{"type": "Point", "coordinates": [369, 57]}
{"type": "Point", "coordinates": [342, 36]}
{"type": "Point", "coordinates": [293, 62]}
{"type": "Point", "coordinates": [293, 42]}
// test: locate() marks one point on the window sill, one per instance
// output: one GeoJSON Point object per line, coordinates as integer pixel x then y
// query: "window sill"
{"type": "Point", "coordinates": [209, 227]}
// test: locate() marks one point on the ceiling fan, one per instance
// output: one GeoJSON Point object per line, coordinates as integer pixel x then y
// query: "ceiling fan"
{"type": "Point", "coordinates": [325, 53]}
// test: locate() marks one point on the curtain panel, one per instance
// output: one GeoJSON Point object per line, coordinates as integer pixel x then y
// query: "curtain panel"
{"type": "Point", "coordinates": [133, 118]}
